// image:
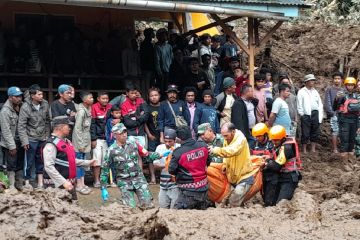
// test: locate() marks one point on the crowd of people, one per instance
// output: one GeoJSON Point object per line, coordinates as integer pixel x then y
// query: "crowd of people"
{"type": "Point", "coordinates": [193, 113]}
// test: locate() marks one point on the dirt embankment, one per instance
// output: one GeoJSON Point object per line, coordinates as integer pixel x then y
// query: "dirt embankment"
{"type": "Point", "coordinates": [326, 206]}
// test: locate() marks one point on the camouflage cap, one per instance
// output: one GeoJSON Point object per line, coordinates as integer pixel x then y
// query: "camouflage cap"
{"type": "Point", "coordinates": [118, 128]}
{"type": "Point", "coordinates": [203, 127]}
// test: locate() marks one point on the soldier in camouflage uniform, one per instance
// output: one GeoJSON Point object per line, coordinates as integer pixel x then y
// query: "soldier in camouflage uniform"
{"type": "Point", "coordinates": [124, 155]}
{"type": "Point", "coordinates": [207, 134]}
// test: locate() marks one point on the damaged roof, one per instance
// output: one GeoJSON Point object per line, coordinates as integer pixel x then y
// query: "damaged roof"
{"type": "Point", "coordinates": [299, 3]}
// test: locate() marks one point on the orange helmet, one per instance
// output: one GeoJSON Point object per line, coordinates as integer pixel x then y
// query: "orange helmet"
{"type": "Point", "coordinates": [259, 130]}
{"type": "Point", "coordinates": [350, 80]}
{"type": "Point", "coordinates": [277, 133]}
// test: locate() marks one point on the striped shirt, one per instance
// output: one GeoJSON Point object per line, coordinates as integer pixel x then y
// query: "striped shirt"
{"type": "Point", "coordinates": [165, 177]}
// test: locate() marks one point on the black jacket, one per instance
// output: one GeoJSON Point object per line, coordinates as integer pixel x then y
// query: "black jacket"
{"type": "Point", "coordinates": [240, 118]}
{"type": "Point", "coordinates": [135, 123]}
{"type": "Point", "coordinates": [188, 162]}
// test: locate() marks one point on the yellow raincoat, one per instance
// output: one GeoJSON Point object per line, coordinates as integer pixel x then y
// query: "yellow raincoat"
{"type": "Point", "coordinates": [236, 158]}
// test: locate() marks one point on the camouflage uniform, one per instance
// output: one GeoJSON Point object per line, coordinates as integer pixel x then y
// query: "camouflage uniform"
{"type": "Point", "coordinates": [218, 142]}
{"type": "Point", "coordinates": [129, 176]}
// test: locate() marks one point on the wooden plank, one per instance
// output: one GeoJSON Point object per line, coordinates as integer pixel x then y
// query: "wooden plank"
{"type": "Point", "coordinates": [251, 44]}
{"type": "Point", "coordinates": [268, 35]}
{"type": "Point", "coordinates": [256, 32]}
{"type": "Point", "coordinates": [228, 31]}
{"type": "Point", "coordinates": [210, 25]}
{"type": "Point", "coordinates": [176, 21]}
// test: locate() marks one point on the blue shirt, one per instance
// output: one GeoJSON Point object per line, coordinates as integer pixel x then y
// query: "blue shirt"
{"type": "Point", "coordinates": [166, 118]}
{"type": "Point", "coordinates": [281, 109]}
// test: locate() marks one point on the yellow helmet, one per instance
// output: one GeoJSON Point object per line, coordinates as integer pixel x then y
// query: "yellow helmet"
{"type": "Point", "coordinates": [277, 132]}
{"type": "Point", "coordinates": [259, 130]}
{"type": "Point", "coordinates": [350, 80]}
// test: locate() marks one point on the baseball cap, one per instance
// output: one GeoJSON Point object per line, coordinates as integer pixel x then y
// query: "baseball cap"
{"type": "Point", "coordinates": [203, 127]}
{"type": "Point", "coordinates": [169, 133]}
{"type": "Point", "coordinates": [61, 120]}
{"type": "Point", "coordinates": [63, 88]}
{"type": "Point", "coordinates": [14, 91]}
{"type": "Point", "coordinates": [172, 88]}
{"type": "Point", "coordinates": [118, 128]}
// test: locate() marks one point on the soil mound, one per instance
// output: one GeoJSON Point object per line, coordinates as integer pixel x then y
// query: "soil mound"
{"type": "Point", "coordinates": [51, 214]}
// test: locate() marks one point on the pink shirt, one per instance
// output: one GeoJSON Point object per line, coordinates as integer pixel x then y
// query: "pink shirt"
{"type": "Point", "coordinates": [261, 107]}
{"type": "Point", "coordinates": [192, 109]}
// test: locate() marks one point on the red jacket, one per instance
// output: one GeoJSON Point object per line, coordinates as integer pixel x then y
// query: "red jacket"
{"type": "Point", "coordinates": [240, 82]}
{"type": "Point", "coordinates": [98, 121]}
{"type": "Point", "coordinates": [129, 107]}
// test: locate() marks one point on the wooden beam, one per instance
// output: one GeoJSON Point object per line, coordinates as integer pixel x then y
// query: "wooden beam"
{"type": "Point", "coordinates": [251, 44]}
{"type": "Point", "coordinates": [184, 22]}
{"type": "Point", "coordinates": [256, 32]}
{"type": "Point", "coordinates": [268, 36]}
{"type": "Point", "coordinates": [228, 31]}
{"type": "Point", "coordinates": [176, 21]}
{"type": "Point", "coordinates": [210, 25]}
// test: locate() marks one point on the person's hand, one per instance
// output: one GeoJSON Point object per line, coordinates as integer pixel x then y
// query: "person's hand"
{"type": "Point", "coordinates": [93, 144]}
{"type": "Point", "coordinates": [92, 162]}
{"type": "Point", "coordinates": [223, 169]}
{"type": "Point", "coordinates": [115, 121]}
{"type": "Point", "coordinates": [68, 186]}
{"type": "Point", "coordinates": [12, 152]}
{"type": "Point", "coordinates": [151, 137]}
{"type": "Point", "coordinates": [162, 140]}
{"type": "Point", "coordinates": [165, 154]}
{"type": "Point", "coordinates": [104, 194]}
{"type": "Point", "coordinates": [26, 147]}
{"type": "Point", "coordinates": [72, 114]}
{"type": "Point", "coordinates": [210, 148]}
{"type": "Point", "coordinates": [222, 114]}
{"type": "Point", "coordinates": [358, 131]}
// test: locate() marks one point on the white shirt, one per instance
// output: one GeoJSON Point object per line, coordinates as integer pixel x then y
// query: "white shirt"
{"type": "Point", "coordinates": [309, 100]}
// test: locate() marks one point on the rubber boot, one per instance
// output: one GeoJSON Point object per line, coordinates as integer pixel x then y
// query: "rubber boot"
{"type": "Point", "coordinates": [19, 180]}
{"type": "Point", "coordinates": [11, 176]}
{"type": "Point", "coordinates": [27, 187]}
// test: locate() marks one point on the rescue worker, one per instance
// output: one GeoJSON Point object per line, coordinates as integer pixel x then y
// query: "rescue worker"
{"type": "Point", "coordinates": [188, 164]}
{"type": "Point", "coordinates": [123, 155]}
{"type": "Point", "coordinates": [59, 157]}
{"type": "Point", "coordinates": [262, 146]}
{"type": "Point", "coordinates": [285, 166]}
{"type": "Point", "coordinates": [237, 164]}
{"type": "Point", "coordinates": [347, 103]}
{"type": "Point", "coordinates": [208, 135]}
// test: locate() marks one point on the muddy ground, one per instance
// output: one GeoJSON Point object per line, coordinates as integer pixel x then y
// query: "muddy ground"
{"type": "Point", "coordinates": [325, 206]}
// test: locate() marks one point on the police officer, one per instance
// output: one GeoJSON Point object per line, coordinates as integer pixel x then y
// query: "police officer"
{"type": "Point", "coordinates": [10, 142]}
{"type": "Point", "coordinates": [59, 157]}
{"type": "Point", "coordinates": [188, 164]}
{"type": "Point", "coordinates": [208, 135]}
{"type": "Point", "coordinates": [285, 165]}
{"type": "Point", "coordinates": [123, 155]}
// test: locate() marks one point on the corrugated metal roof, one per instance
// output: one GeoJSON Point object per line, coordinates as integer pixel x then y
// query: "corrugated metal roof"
{"type": "Point", "coordinates": [299, 3]}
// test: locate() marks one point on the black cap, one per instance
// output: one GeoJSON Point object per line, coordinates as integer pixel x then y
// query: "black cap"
{"type": "Point", "coordinates": [61, 120]}
{"type": "Point", "coordinates": [172, 88]}
{"type": "Point", "coordinates": [170, 133]}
